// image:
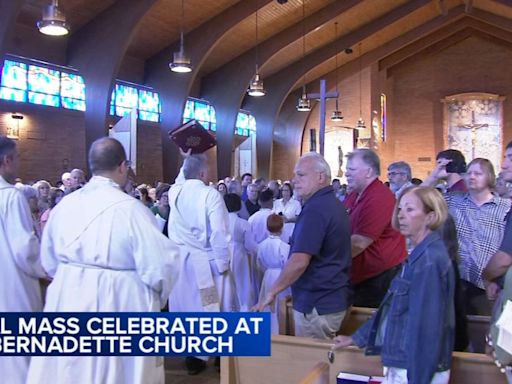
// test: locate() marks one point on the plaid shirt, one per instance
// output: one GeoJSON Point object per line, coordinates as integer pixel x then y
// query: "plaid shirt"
{"type": "Point", "coordinates": [479, 231]}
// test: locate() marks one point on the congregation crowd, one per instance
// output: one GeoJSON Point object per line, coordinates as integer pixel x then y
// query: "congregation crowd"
{"type": "Point", "coordinates": [426, 253]}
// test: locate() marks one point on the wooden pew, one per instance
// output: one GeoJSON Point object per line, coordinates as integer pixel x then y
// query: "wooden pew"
{"type": "Point", "coordinates": [318, 375]}
{"type": "Point", "coordinates": [478, 326]}
{"type": "Point", "coordinates": [293, 359]}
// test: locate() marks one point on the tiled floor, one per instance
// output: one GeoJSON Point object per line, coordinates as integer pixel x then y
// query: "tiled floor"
{"type": "Point", "coordinates": [176, 373]}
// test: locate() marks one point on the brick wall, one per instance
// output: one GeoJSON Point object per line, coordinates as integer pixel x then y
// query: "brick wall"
{"type": "Point", "coordinates": [416, 112]}
{"type": "Point", "coordinates": [414, 90]}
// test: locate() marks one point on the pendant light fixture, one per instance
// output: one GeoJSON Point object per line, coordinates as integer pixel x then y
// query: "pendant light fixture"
{"type": "Point", "coordinates": [181, 62]}
{"type": "Point", "coordinates": [256, 88]}
{"type": "Point", "coordinates": [53, 22]}
{"type": "Point", "coordinates": [360, 122]}
{"type": "Point", "coordinates": [303, 104]}
{"type": "Point", "coordinates": [336, 115]}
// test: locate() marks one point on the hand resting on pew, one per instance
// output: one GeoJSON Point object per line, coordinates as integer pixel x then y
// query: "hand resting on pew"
{"type": "Point", "coordinates": [342, 341]}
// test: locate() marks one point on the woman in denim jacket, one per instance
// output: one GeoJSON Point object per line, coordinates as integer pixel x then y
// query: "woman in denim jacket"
{"type": "Point", "coordinates": [413, 329]}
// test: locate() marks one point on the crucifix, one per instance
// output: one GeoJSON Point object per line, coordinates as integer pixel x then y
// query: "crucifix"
{"type": "Point", "coordinates": [473, 126]}
{"type": "Point", "coordinates": [322, 97]}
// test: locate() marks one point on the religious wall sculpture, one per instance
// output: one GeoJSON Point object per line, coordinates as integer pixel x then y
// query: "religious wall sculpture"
{"type": "Point", "coordinates": [473, 124]}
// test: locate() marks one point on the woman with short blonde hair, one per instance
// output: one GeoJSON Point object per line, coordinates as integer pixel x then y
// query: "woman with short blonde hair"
{"type": "Point", "coordinates": [415, 322]}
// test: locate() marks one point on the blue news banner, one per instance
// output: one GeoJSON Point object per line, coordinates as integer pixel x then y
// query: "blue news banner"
{"type": "Point", "coordinates": [134, 334]}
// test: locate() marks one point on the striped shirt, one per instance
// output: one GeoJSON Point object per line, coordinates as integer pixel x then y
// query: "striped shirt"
{"type": "Point", "coordinates": [479, 232]}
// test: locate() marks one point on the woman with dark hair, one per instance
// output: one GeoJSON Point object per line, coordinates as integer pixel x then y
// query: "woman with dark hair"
{"type": "Point", "coordinates": [289, 208]}
{"type": "Point", "coordinates": [161, 207]}
{"type": "Point", "coordinates": [221, 187]}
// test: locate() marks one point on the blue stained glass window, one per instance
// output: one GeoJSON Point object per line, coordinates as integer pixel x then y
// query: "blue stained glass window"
{"type": "Point", "coordinates": [43, 80]}
{"type": "Point", "coordinates": [245, 124]}
{"type": "Point", "coordinates": [13, 94]}
{"type": "Point", "coordinates": [72, 86]}
{"type": "Point", "coordinates": [188, 113]}
{"type": "Point", "coordinates": [42, 85]}
{"type": "Point", "coordinates": [43, 99]}
{"type": "Point", "coordinates": [72, 91]}
{"type": "Point", "coordinates": [70, 103]}
{"type": "Point", "coordinates": [14, 75]}
{"type": "Point", "coordinates": [252, 123]}
{"type": "Point", "coordinates": [149, 106]}
{"type": "Point", "coordinates": [126, 99]}
{"type": "Point", "coordinates": [149, 116]}
{"type": "Point", "coordinates": [202, 112]}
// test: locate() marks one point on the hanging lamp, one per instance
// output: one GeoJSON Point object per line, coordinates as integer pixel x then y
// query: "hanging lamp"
{"type": "Point", "coordinates": [303, 104]}
{"type": "Point", "coordinates": [181, 62]}
{"type": "Point", "coordinates": [53, 22]}
{"type": "Point", "coordinates": [256, 87]}
{"type": "Point", "coordinates": [336, 115]}
{"type": "Point", "coordinates": [360, 122]}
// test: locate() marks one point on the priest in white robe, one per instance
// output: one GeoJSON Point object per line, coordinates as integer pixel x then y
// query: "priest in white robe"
{"type": "Point", "coordinates": [19, 255]}
{"type": "Point", "coordinates": [105, 253]}
{"type": "Point", "coordinates": [199, 226]}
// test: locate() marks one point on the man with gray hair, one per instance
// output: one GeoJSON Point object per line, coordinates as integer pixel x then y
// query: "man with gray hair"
{"type": "Point", "coordinates": [199, 226]}
{"type": "Point", "coordinates": [399, 176]}
{"type": "Point", "coordinates": [318, 268]}
{"type": "Point", "coordinates": [377, 248]}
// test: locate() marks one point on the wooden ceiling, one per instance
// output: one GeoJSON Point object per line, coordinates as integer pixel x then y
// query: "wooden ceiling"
{"type": "Point", "coordinates": [159, 28]}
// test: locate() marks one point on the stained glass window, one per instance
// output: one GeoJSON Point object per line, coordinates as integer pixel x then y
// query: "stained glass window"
{"type": "Point", "coordinates": [149, 106]}
{"type": "Point", "coordinates": [14, 81]}
{"type": "Point", "coordinates": [72, 91]}
{"type": "Point", "coordinates": [125, 98]}
{"type": "Point", "coordinates": [245, 124]}
{"type": "Point", "coordinates": [42, 85]}
{"type": "Point", "coordinates": [202, 111]}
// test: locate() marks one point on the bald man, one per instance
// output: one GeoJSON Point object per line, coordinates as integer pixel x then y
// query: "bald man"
{"type": "Point", "coordinates": [318, 269]}
{"type": "Point", "coordinates": [106, 254]}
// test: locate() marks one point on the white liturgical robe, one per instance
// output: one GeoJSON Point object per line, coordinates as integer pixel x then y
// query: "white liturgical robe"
{"type": "Point", "coordinates": [290, 210]}
{"type": "Point", "coordinates": [105, 253]}
{"type": "Point", "coordinates": [20, 269]}
{"type": "Point", "coordinates": [199, 226]}
{"type": "Point", "coordinates": [272, 255]}
{"type": "Point", "coordinates": [242, 244]}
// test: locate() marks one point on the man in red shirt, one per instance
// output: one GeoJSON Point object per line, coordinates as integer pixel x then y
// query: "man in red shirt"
{"type": "Point", "coordinates": [377, 249]}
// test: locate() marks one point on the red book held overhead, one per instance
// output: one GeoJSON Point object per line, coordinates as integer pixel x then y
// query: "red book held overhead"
{"type": "Point", "coordinates": [193, 135]}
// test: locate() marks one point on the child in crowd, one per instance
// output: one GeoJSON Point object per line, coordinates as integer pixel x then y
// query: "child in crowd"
{"type": "Point", "coordinates": [272, 255]}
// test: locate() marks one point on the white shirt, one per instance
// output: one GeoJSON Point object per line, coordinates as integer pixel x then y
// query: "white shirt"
{"type": "Point", "coordinates": [291, 209]}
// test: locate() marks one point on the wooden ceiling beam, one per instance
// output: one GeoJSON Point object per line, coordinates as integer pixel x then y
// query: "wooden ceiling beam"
{"type": "Point", "coordinates": [175, 88]}
{"type": "Point", "coordinates": [282, 83]}
{"type": "Point", "coordinates": [236, 75]}
{"type": "Point", "coordinates": [9, 11]}
{"type": "Point", "coordinates": [96, 50]}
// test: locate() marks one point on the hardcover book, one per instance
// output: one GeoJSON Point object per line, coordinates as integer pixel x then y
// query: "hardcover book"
{"type": "Point", "coordinates": [193, 135]}
{"type": "Point", "coordinates": [351, 378]}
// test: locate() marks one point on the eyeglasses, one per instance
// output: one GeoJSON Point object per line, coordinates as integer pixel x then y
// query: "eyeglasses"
{"type": "Point", "coordinates": [391, 174]}
{"type": "Point", "coordinates": [127, 162]}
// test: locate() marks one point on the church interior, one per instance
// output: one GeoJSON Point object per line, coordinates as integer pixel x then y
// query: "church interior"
{"type": "Point", "coordinates": [412, 78]}
{"type": "Point", "coordinates": [271, 80]}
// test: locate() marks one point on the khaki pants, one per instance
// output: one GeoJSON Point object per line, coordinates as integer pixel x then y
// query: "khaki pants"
{"type": "Point", "coordinates": [317, 326]}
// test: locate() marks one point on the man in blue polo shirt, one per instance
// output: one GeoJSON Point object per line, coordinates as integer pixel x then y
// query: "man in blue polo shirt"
{"type": "Point", "coordinates": [318, 269]}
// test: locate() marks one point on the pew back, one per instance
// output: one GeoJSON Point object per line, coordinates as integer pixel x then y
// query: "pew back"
{"type": "Point", "coordinates": [293, 359]}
